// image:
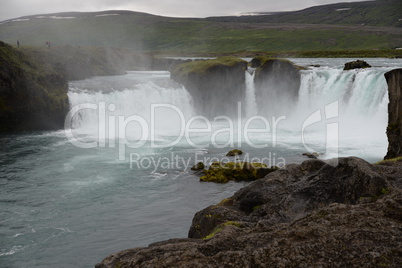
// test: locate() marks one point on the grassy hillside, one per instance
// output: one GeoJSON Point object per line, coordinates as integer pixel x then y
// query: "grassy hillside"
{"type": "Point", "coordinates": [145, 32]}
{"type": "Point", "coordinates": [374, 13]}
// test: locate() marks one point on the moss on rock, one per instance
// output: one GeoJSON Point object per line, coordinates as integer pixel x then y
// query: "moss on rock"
{"type": "Point", "coordinates": [216, 85]}
{"type": "Point", "coordinates": [232, 171]}
{"type": "Point", "coordinates": [277, 82]}
{"type": "Point", "coordinates": [205, 66]}
{"type": "Point", "coordinates": [198, 166]}
{"type": "Point", "coordinates": [234, 152]}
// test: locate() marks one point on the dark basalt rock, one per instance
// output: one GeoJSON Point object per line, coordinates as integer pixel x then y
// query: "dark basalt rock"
{"type": "Point", "coordinates": [356, 65]}
{"type": "Point", "coordinates": [335, 215]}
{"type": "Point", "coordinates": [277, 83]}
{"type": "Point", "coordinates": [216, 85]}
{"type": "Point", "coordinates": [394, 130]}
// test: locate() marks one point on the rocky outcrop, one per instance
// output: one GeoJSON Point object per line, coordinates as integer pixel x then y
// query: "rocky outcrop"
{"type": "Point", "coordinates": [394, 129]}
{"type": "Point", "coordinates": [33, 95]}
{"type": "Point", "coordinates": [358, 64]}
{"type": "Point", "coordinates": [277, 83]}
{"type": "Point", "coordinates": [235, 171]}
{"type": "Point", "coordinates": [216, 85]}
{"type": "Point", "coordinates": [316, 213]}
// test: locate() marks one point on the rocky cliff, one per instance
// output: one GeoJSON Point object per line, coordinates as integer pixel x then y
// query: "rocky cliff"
{"type": "Point", "coordinates": [33, 95]}
{"type": "Point", "coordinates": [215, 85]}
{"type": "Point", "coordinates": [277, 83]}
{"type": "Point", "coordinates": [394, 129]}
{"type": "Point", "coordinates": [309, 215]}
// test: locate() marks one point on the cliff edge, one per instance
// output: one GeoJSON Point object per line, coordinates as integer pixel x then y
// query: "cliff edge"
{"type": "Point", "coordinates": [216, 85]}
{"type": "Point", "coordinates": [394, 129]}
{"type": "Point", "coordinates": [33, 95]}
{"type": "Point", "coordinates": [277, 84]}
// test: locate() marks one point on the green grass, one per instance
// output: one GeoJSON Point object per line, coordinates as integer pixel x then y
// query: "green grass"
{"type": "Point", "coordinates": [177, 35]}
{"type": "Point", "coordinates": [202, 67]}
{"type": "Point", "coordinates": [390, 162]}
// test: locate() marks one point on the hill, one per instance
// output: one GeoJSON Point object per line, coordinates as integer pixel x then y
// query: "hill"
{"type": "Point", "coordinates": [374, 13]}
{"type": "Point", "coordinates": [292, 31]}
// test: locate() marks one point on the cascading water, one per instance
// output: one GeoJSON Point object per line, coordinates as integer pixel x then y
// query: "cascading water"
{"type": "Point", "coordinates": [251, 104]}
{"type": "Point", "coordinates": [361, 96]}
{"type": "Point", "coordinates": [130, 97]}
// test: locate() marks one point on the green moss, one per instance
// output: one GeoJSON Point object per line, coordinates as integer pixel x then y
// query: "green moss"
{"type": "Point", "coordinates": [202, 67]}
{"type": "Point", "coordinates": [389, 161]}
{"type": "Point", "coordinates": [226, 202]}
{"type": "Point", "coordinates": [256, 208]}
{"type": "Point", "coordinates": [198, 166]}
{"type": "Point", "coordinates": [234, 152]}
{"type": "Point", "coordinates": [232, 171]}
{"type": "Point", "coordinates": [220, 228]}
{"type": "Point", "coordinates": [262, 61]}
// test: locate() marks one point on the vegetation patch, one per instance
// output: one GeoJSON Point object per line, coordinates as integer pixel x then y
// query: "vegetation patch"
{"type": "Point", "coordinates": [204, 66]}
{"type": "Point", "coordinates": [234, 152]}
{"type": "Point", "coordinates": [390, 162]}
{"type": "Point", "coordinates": [233, 171]}
{"type": "Point", "coordinates": [220, 228]}
{"type": "Point", "coordinates": [198, 166]}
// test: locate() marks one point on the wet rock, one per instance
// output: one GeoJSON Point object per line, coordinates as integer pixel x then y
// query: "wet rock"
{"type": "Point", "coordinates": [234, 152]}
{"type": "Point", "coordinates": [311, 155]}
{"type": "Point", "coordinates": [199, 166]}
{"type": "Point", "coordinates": [277, 83]}
{"type": "Point", "coordinates": [394, 130]}
{"type": "Point", "coordinates": [216, 85]}
{"type": "Point", "coordinates": [232, 171]}
{"type": "Point", "coordinates": [356, 65]}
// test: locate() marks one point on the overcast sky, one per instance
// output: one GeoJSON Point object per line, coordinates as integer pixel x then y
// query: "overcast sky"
{"type": "Point", "coordinates": [177, 8]}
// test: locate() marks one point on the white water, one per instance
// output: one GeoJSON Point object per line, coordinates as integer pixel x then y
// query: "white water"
{"type": "Point", "coordinates": [361, 114]}
{"type": "Point", "coordinates": [251, 103]}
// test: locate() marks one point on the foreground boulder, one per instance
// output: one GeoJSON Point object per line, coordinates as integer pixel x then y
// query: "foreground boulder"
{"type": "Point", "coordinates": [316, 213]}
{"type": "Point", "coordinates": [33, 95]}
{"type": "Point", "coordinates": [358, 64]}
{"type": "Point", "coordinates": [277, 83]}
{"type": "Point", "coordinates": [216, 85]}
{"type": "Point", "coordinates": [394, 130]}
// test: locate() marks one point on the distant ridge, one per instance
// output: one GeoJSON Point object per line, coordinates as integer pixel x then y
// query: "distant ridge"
{"type": "Point", "coordinates": [345, 26]}
{"type": "Point", "coordinates": [374, 13]}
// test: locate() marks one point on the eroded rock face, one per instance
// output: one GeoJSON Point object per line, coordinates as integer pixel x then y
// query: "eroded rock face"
{"type": "Point", "coordinates": [215, 85]}
{"type": "Point", "coordinates": [277, 84]}
{"type": "Point", "coordinates": [33, 96]}
{"type": "Point", "coordinates": [394, 129]}
{"type": "Point", "coordinates": [308, 214]}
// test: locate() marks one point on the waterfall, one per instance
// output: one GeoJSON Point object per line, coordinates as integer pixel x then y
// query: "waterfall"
{"type": "Point", "coordinates": [360, 92]}
{"type": "Point", "coordinates": [361, 96]}
{"type": "Point", "coordinates": [129, 95]}
{"type": "Point", "coordinates": [251, 104]}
